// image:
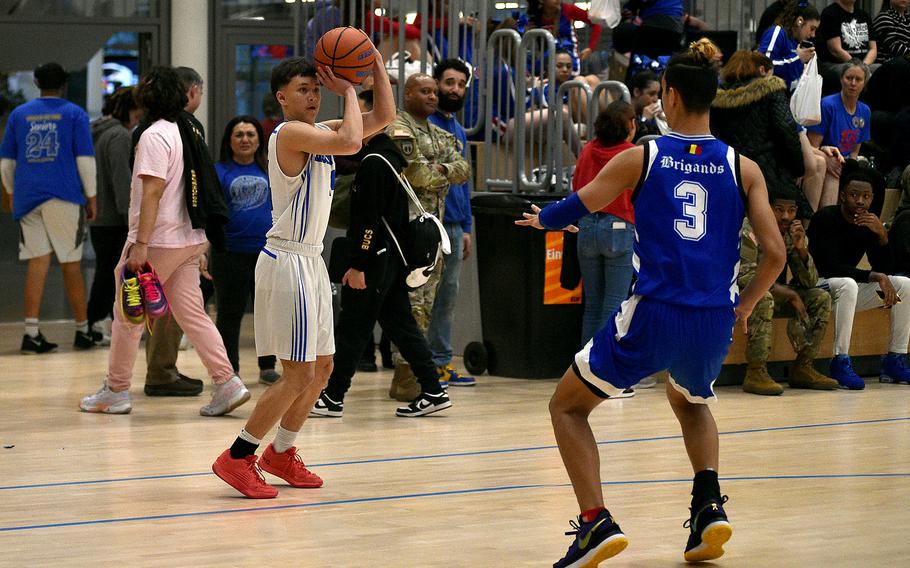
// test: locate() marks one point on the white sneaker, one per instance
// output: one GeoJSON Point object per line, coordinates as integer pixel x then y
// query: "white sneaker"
{"type": "Point", "coordinates": [107, 401]}
{"type": "Point", "coordinates": [627, 393]}
{"type": "Point", "coordinates": [226, 397]}
{"type": "Point", "coordinates": [648, 382]}
{"type": "Point", "coordinates": [104, 328]}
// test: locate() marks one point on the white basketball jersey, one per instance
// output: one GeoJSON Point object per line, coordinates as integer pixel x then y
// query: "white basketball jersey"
{"type": "Point", "coordinates": [301, 204]}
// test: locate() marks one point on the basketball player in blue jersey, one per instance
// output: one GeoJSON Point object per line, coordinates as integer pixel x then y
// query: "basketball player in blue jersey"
{"type": "Point", "coordinates": [293, 298]}
{"type": "Point", "coordinates": [690, 194]}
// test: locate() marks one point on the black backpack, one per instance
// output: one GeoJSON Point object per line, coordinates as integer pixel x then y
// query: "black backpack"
{"type": "Point", "coordinates": [426, 241]}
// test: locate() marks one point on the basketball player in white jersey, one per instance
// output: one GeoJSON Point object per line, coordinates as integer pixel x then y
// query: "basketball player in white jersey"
{"type": "Point", "coordinates": [293, 304]}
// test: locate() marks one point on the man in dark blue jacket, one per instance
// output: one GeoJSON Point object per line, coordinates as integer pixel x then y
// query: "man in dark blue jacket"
{"type": "Point", "coordinates": [452, 77]}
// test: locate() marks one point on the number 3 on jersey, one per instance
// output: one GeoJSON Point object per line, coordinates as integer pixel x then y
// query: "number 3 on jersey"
{"type": "Point", "coordinates": [695, 203]}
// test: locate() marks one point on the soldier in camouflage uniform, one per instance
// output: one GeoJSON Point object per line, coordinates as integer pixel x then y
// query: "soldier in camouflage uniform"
{"type": "Point", "coordinates": [808, 307]}
{"type": "Point", "coordinates": [434, 161]}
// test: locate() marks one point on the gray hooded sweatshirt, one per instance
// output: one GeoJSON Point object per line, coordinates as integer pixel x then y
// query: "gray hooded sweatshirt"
{"type": "Point", "coordinates": [112, 156]}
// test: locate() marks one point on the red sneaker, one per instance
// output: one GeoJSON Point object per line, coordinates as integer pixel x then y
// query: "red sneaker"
{"type": "Point", "coordinates": [243, 475]}
{"type": "Point", "coordinates": [289, 467]}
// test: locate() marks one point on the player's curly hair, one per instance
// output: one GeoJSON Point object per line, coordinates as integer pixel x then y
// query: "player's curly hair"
{"type": "Point", "coordinates": [161, 94]}
{"type": "Point", "coordinates": [693, 75]}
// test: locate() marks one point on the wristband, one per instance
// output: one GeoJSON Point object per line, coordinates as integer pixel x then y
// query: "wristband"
{"type": "Point", "coordinates": [556, 216]}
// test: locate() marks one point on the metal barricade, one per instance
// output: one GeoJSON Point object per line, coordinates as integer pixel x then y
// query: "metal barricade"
{"type": "Point", "coordinates": [533, 132]}
{"type": "Point", "coordinates": [499, 97]}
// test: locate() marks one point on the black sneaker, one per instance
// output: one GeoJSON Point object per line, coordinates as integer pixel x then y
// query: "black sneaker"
{"type": "Point", "coordinates": [594, 542]}
{"type": "Point", "coordinates": [325, 406]}
{"type": "Point", "coordinates": [36, 345]}
{"type": "Point", "coordinates": [183, 386]}
{"type": "Point", "coordinates": [709, 530]}
{"type": "Point", "coordinates": [83, 340]}
{"type": "Point", "coordinates": [425, 404]}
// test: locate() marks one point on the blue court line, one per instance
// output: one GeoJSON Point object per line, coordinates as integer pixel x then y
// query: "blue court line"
{"type": "Point", "coordinates": [463, 454]}
{"type": "Point", "coordinates": [405, 496]}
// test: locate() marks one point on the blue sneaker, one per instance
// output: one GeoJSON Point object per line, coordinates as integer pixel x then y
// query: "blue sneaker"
{"type": "Point", "coordinates": [842, 371]}
{"type": "Point", "coordinates": [594, 542]}
{"type": "Point", "coordinates": [709, 529]}
{"type": "Point", "coordinates": [894, 369]}
{"type": "Point", "coordinates": [454, 378]}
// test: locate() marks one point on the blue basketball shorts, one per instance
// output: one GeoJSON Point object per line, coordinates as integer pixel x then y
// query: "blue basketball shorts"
{"type": "Point", "coordinates": [646, 336]}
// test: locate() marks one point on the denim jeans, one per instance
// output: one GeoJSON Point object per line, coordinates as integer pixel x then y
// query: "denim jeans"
{"type": "Point", "coordinates": [605, 258]}
{"type": "Point", "coordinates": [439, 333]}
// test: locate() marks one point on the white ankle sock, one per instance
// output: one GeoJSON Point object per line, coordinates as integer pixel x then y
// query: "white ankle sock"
{"type": "Point", "coordinates": [246, 436]}
{"type": "Point", "coordinates": [284, 440]}
{"type": "Point", "coordinates": [31, 327]}
{"type": "Point", "coordinates": [82, 326]}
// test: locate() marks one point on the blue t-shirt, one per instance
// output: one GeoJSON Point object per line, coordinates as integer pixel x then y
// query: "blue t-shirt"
{"type": "Point", "coordinates": [689, 210]}
{"type": "Point", "coordinates": [661, 8]}
{"type": "Point", "coordinates": [840, 128]}
{"type": "Point", "coordinates": [246, 189]}
{"type": "Point", "coordinates": [45, 136]}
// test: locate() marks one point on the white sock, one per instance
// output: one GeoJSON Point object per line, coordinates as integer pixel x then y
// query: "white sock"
{"type": "Point", "coordinates": [31, 327]}
{"type": "Point", "coordinates": [246, 436]}
{"type": "Point", "coordinates": [284, 440]}
{"type": "Point", "coordinates": [82, 326]}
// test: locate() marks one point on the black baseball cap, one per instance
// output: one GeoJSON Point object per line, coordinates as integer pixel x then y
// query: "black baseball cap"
{"type": "Point", "coordinates": [50, 76]}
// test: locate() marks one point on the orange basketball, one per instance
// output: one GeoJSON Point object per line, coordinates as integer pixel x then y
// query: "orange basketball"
{"type": "Point", "coordinates": [348, 52]}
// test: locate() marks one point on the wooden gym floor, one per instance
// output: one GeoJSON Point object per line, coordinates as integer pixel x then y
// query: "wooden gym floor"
{"type": "Point", "coordinates": [814, 478]}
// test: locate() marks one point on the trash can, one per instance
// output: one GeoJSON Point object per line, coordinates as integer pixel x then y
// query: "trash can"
{"type": "Point", "coordinates": [531, 326]}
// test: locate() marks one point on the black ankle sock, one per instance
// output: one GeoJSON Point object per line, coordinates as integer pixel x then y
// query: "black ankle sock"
{"type": "Point", "coordinates": [705, 487]}
{"type": "Point", "coordinates": [241, 449]}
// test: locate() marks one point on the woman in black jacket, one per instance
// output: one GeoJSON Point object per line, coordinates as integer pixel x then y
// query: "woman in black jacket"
{"type": "Point", "coordinates": [751, 113]}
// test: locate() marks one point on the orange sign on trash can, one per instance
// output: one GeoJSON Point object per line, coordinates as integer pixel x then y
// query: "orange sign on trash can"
{"type": "Point", "coordinates": [553, 293]}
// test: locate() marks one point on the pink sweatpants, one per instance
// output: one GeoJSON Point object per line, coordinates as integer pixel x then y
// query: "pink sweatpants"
{"type": "Point", "coordinates": [178, 270]}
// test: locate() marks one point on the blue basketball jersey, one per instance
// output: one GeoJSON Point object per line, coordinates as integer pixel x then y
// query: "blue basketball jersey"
{"type": "Point", "coordinates": [689, 209]}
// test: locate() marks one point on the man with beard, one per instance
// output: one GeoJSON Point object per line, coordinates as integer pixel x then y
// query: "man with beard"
{"type": "Point", "coordinates": [839, 236]}
{"type": "Point", "coordinates": [452, 77]}
{"type": "Point", "coordinates": [807, 307]}
{"type": "Point", "coordinates": [435, 162]}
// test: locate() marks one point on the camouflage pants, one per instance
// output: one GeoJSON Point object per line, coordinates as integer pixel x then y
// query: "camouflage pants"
{"type": "Point", "coordinates": [422, 300]}
{"type": "Point", "coordinates": [804, 337]}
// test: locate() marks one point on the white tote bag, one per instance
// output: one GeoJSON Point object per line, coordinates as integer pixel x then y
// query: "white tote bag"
{"type": "Point", "coordinates": [806, 102]}
{"type": "Point", "coordinates": [606, 12]}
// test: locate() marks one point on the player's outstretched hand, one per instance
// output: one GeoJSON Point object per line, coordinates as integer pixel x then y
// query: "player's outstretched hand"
{"type": "Point", "coordinates": [532, 220]}
{"type": "Point", "coordinates": [331, 81]}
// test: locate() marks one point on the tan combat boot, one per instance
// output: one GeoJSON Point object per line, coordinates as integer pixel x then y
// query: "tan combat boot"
{"type": "Point", "coordinates": [404, 386]}
{"type": "Point", "coordinates": [804, 376]}
{"type": "Point", "coordinates": [758, 381]}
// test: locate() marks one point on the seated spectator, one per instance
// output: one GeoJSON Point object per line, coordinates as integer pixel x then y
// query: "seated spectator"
{"type": "Point", "coordinates": [783, 43]}
{"type": "Point", "coordinates": [575, 103]}
{"type": "Point", "coordinates": [645, 90]}
{"type": "Point", "coordinates": [605, 237]}
{"type": "Point", "coordinates": [888, 95]}
{"type": "Point", "coordinates": [807, 307]}
{"type": "Point", "coordinates": [661, 29]}
{"type": "Point", "coordinates": [844, 127]}
{"type": "Point", "coordinates": [243, 173]}
{"type": "Point", "coordinates": [839, 236]}
{"type": "Point", "coordinates": [891, 28]}
{"type": "Point", "coordinates": [845, 33]}
{"type": "Point", "coordinates": [559, 18]}
{"type": "Point", "coordinates": [751, 113]}
{"type": "Point", "coordinates": [768, 17]}
{"type": "Point", "coordinates": [899, 239]}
